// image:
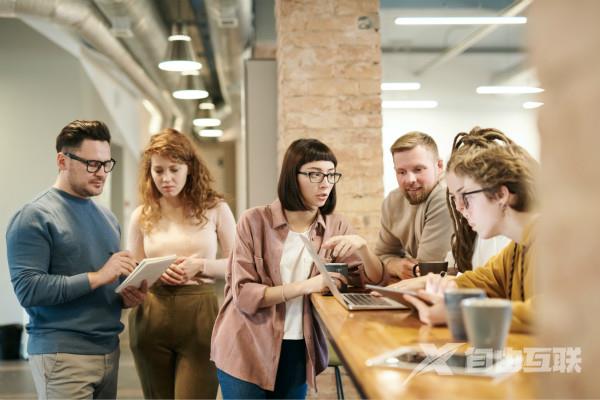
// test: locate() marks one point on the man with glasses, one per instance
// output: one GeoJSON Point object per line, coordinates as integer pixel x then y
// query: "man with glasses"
{"type": "Point", "coordinates": [65, 263]}
{"type": "Point", "coordinates": [415, 222]}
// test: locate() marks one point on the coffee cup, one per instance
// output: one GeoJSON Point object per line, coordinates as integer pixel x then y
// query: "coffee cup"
{"type": "Point", "coordinates": [426, 267]}
{"type": "Point", "coordinates": [487, 322]}
{"type": "Point", "coordinates": [341, 268]}
{"type": "Point", "coordinates": [452, 299]}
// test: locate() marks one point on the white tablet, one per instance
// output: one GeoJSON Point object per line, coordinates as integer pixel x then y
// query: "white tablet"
{"type": "Point", "coordinates": [149, 270]}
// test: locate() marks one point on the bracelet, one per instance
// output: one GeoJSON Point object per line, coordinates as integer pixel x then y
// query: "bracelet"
{"type": "Point", "coordinates": [283, 294]}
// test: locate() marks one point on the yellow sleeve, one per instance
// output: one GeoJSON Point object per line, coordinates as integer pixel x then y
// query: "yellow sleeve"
{"type": "Point", "coordinates": [492, 276]}
{"type": "Point", "coordinates": [522, 316]}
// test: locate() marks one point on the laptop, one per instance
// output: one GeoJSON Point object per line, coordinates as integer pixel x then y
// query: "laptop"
{"type": "Point", "coordinates": [351, 301]}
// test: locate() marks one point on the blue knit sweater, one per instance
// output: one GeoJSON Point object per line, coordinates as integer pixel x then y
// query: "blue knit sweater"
{"type": "Point", "coordinates": [52, 244]}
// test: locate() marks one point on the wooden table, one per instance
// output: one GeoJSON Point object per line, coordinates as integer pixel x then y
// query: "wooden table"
{"type": "Point", "coordinates": [360, 335]}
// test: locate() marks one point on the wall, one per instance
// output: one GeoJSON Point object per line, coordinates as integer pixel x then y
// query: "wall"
{"type": "Point", "coordinates": [42, 88]}
{"type": "Point", "coordinates": [261, 131]}
{"type": "Point", "coordinates": [329, 75]}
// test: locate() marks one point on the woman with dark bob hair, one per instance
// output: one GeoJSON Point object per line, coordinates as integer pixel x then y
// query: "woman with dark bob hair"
{"type": "Point", "coordinates": [266, 342]}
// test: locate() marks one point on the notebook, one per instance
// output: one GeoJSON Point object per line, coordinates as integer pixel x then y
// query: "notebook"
{"type": "Point", "coordinates": [351, 301]}
{"type": "Point", "coordinates": [150, 269]}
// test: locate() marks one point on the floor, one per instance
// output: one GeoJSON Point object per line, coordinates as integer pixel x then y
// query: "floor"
{"type": "Point", "coordinates": [16, 381]}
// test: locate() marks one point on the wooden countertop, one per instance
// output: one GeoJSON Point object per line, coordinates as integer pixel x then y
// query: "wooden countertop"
{"type": "Point", "coordinates": [360, 335]}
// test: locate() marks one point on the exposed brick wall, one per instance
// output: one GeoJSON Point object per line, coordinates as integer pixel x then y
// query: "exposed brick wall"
{"type": "Point", "coordinates": [329, 76]}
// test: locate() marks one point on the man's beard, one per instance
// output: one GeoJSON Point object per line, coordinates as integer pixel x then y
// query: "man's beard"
{"type": "Point", "coordinates": [417, 197]}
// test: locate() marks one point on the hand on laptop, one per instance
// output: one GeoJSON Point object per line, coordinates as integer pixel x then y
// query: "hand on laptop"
{"type": "Point", "coordinates": [319, 284]}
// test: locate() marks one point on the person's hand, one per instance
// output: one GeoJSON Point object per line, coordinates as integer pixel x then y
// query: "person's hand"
{"type": "Point", "coordinates": [434, 313]}
{"type": "Point", "coordinates": [189, 267]}
{"type": "Point", "coordinates": [437, 284]}
{"type": "Point", "coordinates": [121, 263]}
{"type": "Point", "coordinates": [413, 284]}
{"type": "Point", "coordinates": [344, 245]}
{"type": "Point", "coordinates": [401, 268]}
{"type": "Point", "coordinates": [133, 296]}
{"type": "Point", "coordinates": [175, 275]}
{"type": "Point", "coordinates": [318, 283]}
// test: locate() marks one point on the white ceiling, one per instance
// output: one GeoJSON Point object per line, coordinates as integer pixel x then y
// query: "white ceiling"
{"type": "Point", "coordinates": [500, 58]}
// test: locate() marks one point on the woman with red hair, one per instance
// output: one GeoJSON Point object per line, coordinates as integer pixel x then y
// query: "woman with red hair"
{"type": "Point", "coordinates": [180, 214]}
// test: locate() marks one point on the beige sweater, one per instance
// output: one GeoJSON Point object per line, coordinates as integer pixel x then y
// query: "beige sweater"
{"type": "Point", "coordinates": [171, 237]}
{"type": "Point", "coordinates": [423, 231]}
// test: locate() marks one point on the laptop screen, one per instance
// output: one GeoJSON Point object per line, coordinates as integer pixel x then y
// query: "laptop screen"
{"type": "Point", "coordinates": [320, 266]}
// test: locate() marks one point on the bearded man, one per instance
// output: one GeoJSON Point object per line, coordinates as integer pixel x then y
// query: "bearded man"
{"type": "Point", "coordinates": [415, 221]}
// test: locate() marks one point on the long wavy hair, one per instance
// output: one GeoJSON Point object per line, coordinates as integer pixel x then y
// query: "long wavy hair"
{"type": "Point", "coordinates": [197, 195]}
{"type": "Point", "coordinates": [492, 160]}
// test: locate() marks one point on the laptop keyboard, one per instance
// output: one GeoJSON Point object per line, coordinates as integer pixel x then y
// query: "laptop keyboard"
{"type": "Point", "coordinates": [365, 300]}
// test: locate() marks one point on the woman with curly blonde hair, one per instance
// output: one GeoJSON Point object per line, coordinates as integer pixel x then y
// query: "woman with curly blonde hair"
{"type": "Point", "coordinates": [180, 214]}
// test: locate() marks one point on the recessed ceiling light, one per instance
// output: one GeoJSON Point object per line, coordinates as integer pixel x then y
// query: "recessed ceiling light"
{"type": "Point", "coordinates": [460, 20]}
{"type": "Point", "coordinates": [390, 86]}
{"type": "Point", "coordinates": [398, 104]}
{"type": "Point", "coordinates": [532, 104]}
{"type": "Point", "coordinates": [508, 89]}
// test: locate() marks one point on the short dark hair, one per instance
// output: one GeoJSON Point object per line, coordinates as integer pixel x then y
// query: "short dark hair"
{"type": "Point", "coordinates": [300, 152]}
{"type": "Point", "coordinates": [72, 135]}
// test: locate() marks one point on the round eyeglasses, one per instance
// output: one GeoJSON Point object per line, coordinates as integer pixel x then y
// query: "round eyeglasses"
{"type": "Point", "coordinates": [463, 196]}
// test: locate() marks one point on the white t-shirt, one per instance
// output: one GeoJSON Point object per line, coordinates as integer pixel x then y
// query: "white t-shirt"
{"type": "Point", "coordinates": [484, 250]}
{"type": "Point", "coordinates": [295, 266]}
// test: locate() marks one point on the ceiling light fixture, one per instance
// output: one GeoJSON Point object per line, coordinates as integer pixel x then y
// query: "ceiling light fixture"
{"type": "Point", "coordinates": [207, 122]}
{"type": "Point", "coordinates": [205, 118]}
{"type": "Point", "coordinates": [206, 105]}
{"type": "Point", "coordinates": [528, 105]}
{"type": "Point", "coordinates": [508, 90]}
{"type": "Point", "coordinates": [393, 86]}
{"type": "Point", "coordinates": [399, 104]}
{"type": "Point", "coordinates": [210, 133]}
{"type": "Point", "coordinates": [460, 20]}
{"type": "Point", "coordinates": [180, 54]}
{"type": "Point", "coordinates": [190, 87]}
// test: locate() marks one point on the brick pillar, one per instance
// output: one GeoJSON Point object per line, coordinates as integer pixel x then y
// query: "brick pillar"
{"type": "Point", "coordinates": [329, 76]}
{"type": "Point", "coordinates": [565, 38]}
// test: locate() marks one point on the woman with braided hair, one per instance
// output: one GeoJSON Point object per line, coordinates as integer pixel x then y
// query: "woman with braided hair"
{"type": "Point", "coordinates": [465, 241]}
{"type": "Point", "coordinates": [492, 190]}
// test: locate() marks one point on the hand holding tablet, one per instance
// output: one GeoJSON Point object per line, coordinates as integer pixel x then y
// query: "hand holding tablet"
{"type": "Point", "coordinates": [149, 270]}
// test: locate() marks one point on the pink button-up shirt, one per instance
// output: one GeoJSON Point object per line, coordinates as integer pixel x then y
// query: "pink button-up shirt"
{"type": "Point", "coordinates": [246, 339]}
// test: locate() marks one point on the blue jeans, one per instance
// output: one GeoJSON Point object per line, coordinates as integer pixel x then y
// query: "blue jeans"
{"type": "Point", "coordinates": [290, 382]}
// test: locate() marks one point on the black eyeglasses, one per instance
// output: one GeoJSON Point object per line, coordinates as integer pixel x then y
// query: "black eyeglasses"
{"type": "Point", "coordinates": [317, 177]}
{"type": "Point", "coordinates": [465, 199]}
{"type": "Point", "coordinates": [94, 166]}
